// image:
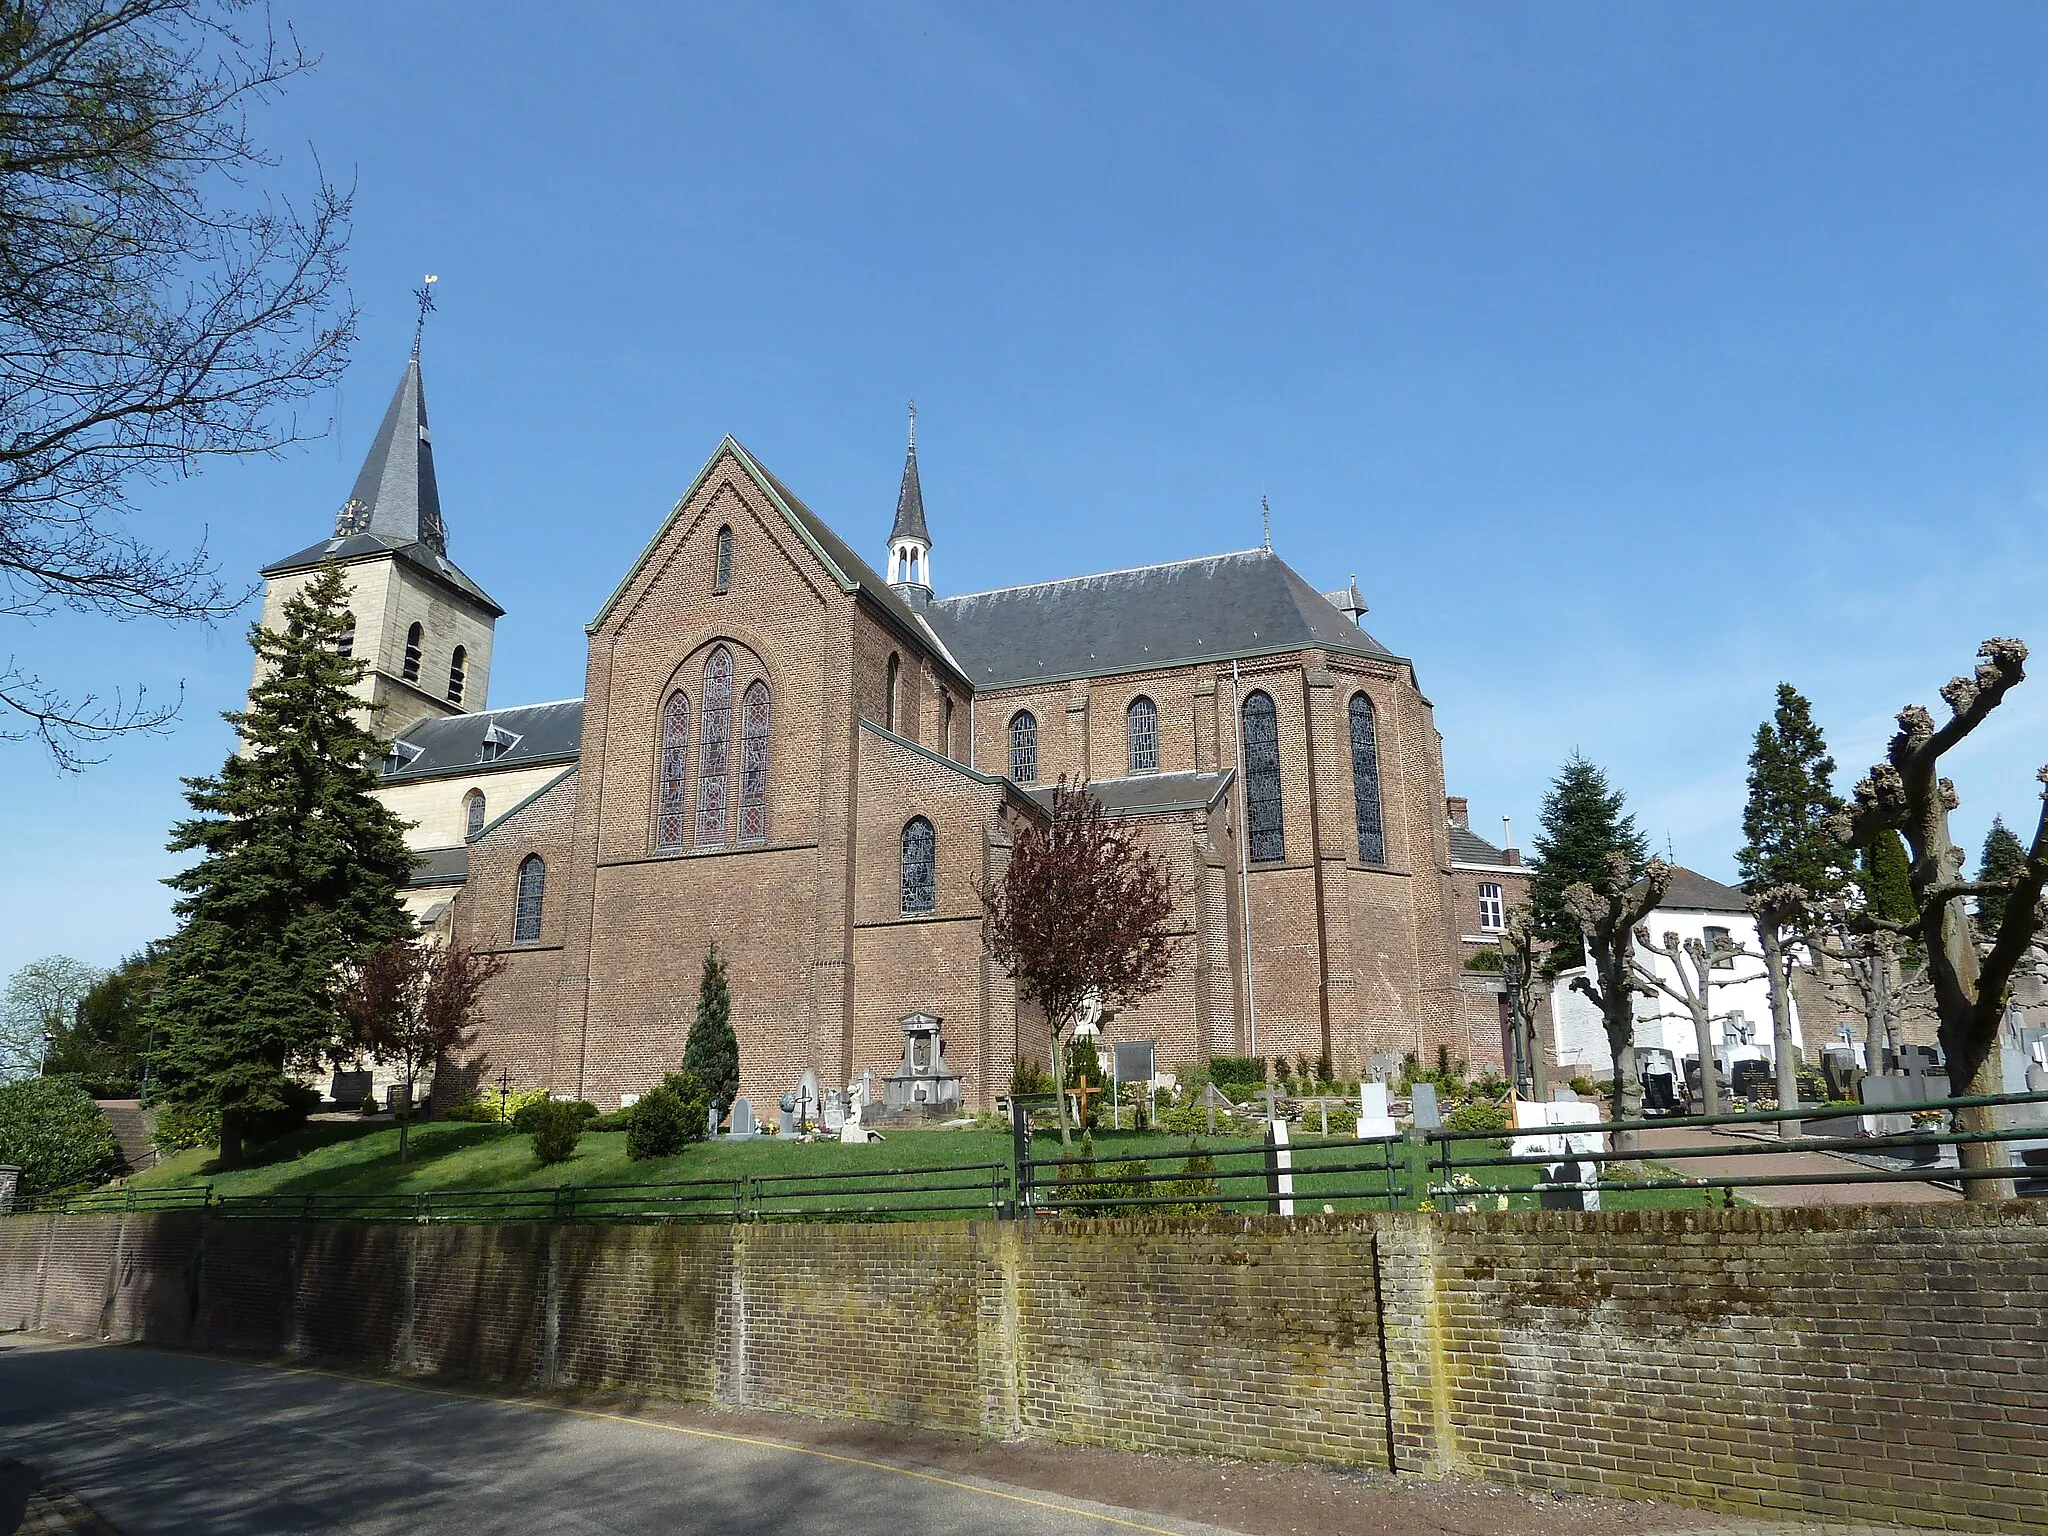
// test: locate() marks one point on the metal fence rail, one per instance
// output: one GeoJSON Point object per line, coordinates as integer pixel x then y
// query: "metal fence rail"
{"type": "Point", "coordinates": [1360, 1174]}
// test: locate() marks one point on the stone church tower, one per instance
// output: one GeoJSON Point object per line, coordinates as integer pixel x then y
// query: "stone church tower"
{"type": "Point", "coordinates": [422, 625]}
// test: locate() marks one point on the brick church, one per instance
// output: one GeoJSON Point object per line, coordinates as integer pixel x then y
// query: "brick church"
{"type": "Point", "coordinates": [811, 762]}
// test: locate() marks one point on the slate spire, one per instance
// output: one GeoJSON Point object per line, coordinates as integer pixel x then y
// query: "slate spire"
{"type": "Point", "coordinates": [395, 495]}
{"type": "Point", "coordinates": [910, 499]}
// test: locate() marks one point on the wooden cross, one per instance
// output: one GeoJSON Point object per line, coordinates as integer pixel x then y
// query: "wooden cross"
{"type": "Point", "coordinates": [1082, 1091]}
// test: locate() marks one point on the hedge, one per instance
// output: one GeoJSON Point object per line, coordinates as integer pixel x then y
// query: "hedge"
{"type": "Point", "coordinates": [53, 1132]}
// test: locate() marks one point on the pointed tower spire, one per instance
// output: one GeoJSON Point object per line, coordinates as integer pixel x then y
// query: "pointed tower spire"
{"type": "Point", "coordinates": [910, 541]}
{"type": "Point", "coordinates": [395, 495]}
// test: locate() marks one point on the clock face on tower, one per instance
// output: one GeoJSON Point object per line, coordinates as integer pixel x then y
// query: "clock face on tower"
{"type": "Point", "coordinates": [353, 518]}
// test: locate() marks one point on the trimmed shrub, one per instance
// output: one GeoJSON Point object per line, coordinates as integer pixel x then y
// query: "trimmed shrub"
{"type": "Point", "coordinates": [524, 1120]}
{"type": "Point", "coordinates": [1237, 1071]}
{"type": "Point", "coordinates": [51, 1130]}
{"type": "Point", "coordinates": [1028, 1076]}
{"type": "Point", "coordinates": [556, 1128]}
{"type": "Point", "coordinates": [1196, 1187]}
{"type": "Point", "coordinates": [1478, 1117]}
{"type": "Point", "coordinates": [485, 1107]}
{"type": "Point", "coordinates": [668, 1119]}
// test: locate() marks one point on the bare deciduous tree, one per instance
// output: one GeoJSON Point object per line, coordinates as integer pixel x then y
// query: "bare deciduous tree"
{"type": "Point", "coordinates": [412, 1003]}
{"type": "Point", "coordinates": [153, 313]}
{"type": "Point", "coordinates": [40, 1002]}
{"type": "Point", "coordinates": [1521, 958]}
{"type": "Point", "coordinates": [1082, 912]}
{"type": "Point", "coordinates": [1607, 918]}
{"type": "Point", "coordinates": [1906, 793]}
{"type": "Point", "coordinates": [1695, 992]}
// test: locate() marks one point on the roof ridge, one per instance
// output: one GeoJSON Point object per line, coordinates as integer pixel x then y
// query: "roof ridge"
{"type": "Point", "coordinates": [1128, 570]}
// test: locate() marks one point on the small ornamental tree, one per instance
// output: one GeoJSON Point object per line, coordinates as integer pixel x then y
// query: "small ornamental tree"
{"type": "Point", "coordinates": [299, 876]}
{"type": "Point", "coordinates": [1083, 911]}
{"type": "Point", "coordinates": [410, 1004]}
{"type": "Point", "coordinates": [713, 1053]}
{"type": "Point", "coordinates": [1584, 821]}
{"type": "Point", "coordinates": [1907, 794]}
{"type": "Point", "coordinates": [1607, 915]}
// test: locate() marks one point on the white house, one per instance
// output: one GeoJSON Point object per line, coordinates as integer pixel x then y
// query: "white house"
{"type": "Point", "coordinates": [1694, 908]}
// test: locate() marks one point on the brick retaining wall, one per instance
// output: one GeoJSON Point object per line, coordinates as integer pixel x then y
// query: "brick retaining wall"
{"type": "Point", "coordinates": [1883, 1362]}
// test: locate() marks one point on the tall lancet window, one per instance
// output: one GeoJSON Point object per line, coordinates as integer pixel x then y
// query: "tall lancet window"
{"type": "Point", "coordinates": [722, 581]}
{"type": "Point", "coordinates": [895, 676]}
{"type": "Point", "coordinates": [1024, 747]}
{"type": "Point", "coordinates": [458, 674]}
{"type": "Point", "coordinates": [1262, 780]}
{"type": "Point", "coordinates": [1365, 781]}
{"type": "Point", "coordinates": [1141, 727]}
{"type": "Point", "coordinates": [920, 887]}
{"type": "Point", "coordinates": [754, 763]}
{"type": "Point", "coordinates": [473, 813]}
{"type": "Point", "coordinates": [526, 904]}
{"type": "Point", "coordinates": [672, 810]}
{"type": "Point", "coordinates": [714, 760]}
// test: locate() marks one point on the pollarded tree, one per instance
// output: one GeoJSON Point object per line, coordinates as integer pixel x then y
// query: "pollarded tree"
{"type": "Point", "coordinates": [412, 1003]}
{"type": "Point", "coordinates": [2003, 860]}
{"type": "Point", "coordinates": [299, 876]}
{"type": "Point", "coordinates": [1907, 794]}
{"type": "Point", "coordinates": [1607, 916]}
{"type": "Point", "coordinates": [712, 1055]}
{"type": "Point", "coordinates": [1790, 860]}
{"type": "Point", "coordinates": [1521, 961]}
{"type": "Point", "coordinates": [1694, 963]}
{"type": "Point", "coordinates": [1083, 911]}
{"type": "Point", "coordinates": [1584, 821]}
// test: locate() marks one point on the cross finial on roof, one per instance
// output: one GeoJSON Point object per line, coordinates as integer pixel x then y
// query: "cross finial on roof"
{"type": "Point", "coordinates": [1266, 512]}
{"type": "Point", "coordinates": [425, 294]}
{"type": "Point", "coordinates": [913, 426]}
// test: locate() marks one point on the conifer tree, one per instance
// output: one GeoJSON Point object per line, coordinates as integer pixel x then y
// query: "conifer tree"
{"type": "Point", "coordinates": [300, 873]}
{"type": "Point", "coordinates": [1584, 821]}
{"type": "Point", "coordinates": [2004, 859]}
{"type": "Point", "coordinates": [1791, 859]}
{"type": "Point", "coordinates": [1888, 878]}
{"type": "Point", "coordinates": [713, 1053]}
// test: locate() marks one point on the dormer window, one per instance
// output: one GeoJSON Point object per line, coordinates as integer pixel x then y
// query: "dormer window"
{"type": "Point", "coordinates": [496, 744]}
{"type": "Point", "coordinates": [413, 639]}
{"type": "Point", "coordinates": [399, 756]}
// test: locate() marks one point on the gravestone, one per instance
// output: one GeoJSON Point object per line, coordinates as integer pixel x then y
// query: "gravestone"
{"type": "Point", "coordinates": [1279, 1170]}
{"type": "Point", "coordinates": [1212, 1099]}
{"type": "Point", "coordinates": [742, 1119]}
{"type": "Point", "coordinates": [810, 1102]}
{"type": "Point", "coordinates": [1374, 1123]}
{"type": "Point", "coordinates": [835, 1114]}
{"type": "Point", "coordinates": [1429, 1115]}
{"type": "Point", "coordinates": [1564, 1151]}
{"type": "Point", "coordinates": [711, 1118]}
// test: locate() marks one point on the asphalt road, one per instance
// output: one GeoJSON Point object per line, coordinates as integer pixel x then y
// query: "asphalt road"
{"type": "Point", "coordinates": [166, 1444]}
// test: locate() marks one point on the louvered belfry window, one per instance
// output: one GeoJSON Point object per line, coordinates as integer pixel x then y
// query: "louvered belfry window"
{"type": "Point", "coordinates": [1365, 781]}
{"type": "Point", "coordinates": [458, 674]}
{"type": "Point", "coordinates": [1024, 747]}
{"type": "Point", "coordinates": [414, 638]}
{"type": "Point", "coordinates": [920, 892]}
{"type": "Point", "coordinates": [672, 814]}
{"type": "Point", "coordinates": [754, 764]}
{"type": "Point", "coordinates": [714, 761]}
{"type": "Point", "coordinates": [1141, 726]}
{"type": "Point", "coordinates": [533, 880]}
{"type": "Point", "coordinates": [1262, 780]}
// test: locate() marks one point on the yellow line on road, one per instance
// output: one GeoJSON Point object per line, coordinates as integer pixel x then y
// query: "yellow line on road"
{"type": "Point", "coordinates": [749, 1440]}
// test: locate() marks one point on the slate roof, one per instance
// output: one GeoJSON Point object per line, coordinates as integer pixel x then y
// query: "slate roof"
{"type": "Point", "coordinates": [1148, 792]}
{"type": "Point", "coordinates": [441, 866]}
{"type": "Point", "coordinates": [395, 507]}
{"type": "Point", "coordinates": [1467, 847]}
{"type": "Point", "coordinates": [1244, 604]}
{"type": "Point", "coordinates": [538, 733]}
{"type": "Point", "coordinates": [910, 503]}
{"type": "Point", "coordinates": [1692, 891]}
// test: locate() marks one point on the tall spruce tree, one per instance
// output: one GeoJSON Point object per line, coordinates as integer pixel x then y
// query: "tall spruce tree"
{"type": "Point", "coordinates": [1790, 858]}
{"type": "Point", "coordinates": [2004, 858]}
{"type": "Point", "coordinates": [713, 1054]}
{"type": "Point", "coordinates": [300, 874]}
{"type": "Point", "coordinates": [1887, 878]}
{"type": "Point", "coordinates": [1584, 820]}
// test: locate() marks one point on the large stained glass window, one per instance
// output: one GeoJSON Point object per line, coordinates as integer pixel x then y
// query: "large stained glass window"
{"type": "Point", "coordinates": [714, 758]}
{"type": "Point", "coordinates": [1141, 727]}
{"type": "Point", "coordinates": [532, 890]}
{"type": "Point", "coordinates": [1262, 779]}
{"type": "Point", "coordinates": [920, 887]}
{"type": "Point", "coordinates": [1365, 781]}
{"type": "Point", "coordinates": [672, 810]}
{"type": "Point", "coordinates": [754, 764]}
{"type": "Point", "coordinates": [1024, 747]}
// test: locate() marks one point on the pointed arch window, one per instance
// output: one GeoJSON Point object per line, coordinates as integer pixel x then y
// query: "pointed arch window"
{"type": "Point", "coordinates": [945, 722]}
{"type": "Point", "coordinates": [672, 808]}
{"type": "Point", "coordinates": [1365, 781]}
{"type": "Point", "coordinates": [1141, 729]}
{"type": "Point", "coordinates": [458, 674]}
{"type": "Point", "coordinates": [895, 675]}
{"type": "Point", "coordinates": [920, 885]}
{"type": "Point", "coordinates": [1262, 779]}
{"type": "Point", "coordinates": [754, 763]}
{"type": "Point", "coordinates": [533, 882]}
{"type": "Point", "coordinates": [473, 813]}
{"type": "Point", "coordinates": [1024, 747]}
{"type": "Point", "coordinates": [714, 758]}
{"type": "Point", "coordinates": [345, 642]}
{"type": "Point", "coordinates": [722, 580]}
{"type": "Point", "coordinates": [413, 639]}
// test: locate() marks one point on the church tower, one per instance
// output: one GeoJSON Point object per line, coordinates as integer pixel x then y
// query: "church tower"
{"type": "Point", "coordinates": [422, 625]}
{"type": "Point", "coordinates": [910, 542]}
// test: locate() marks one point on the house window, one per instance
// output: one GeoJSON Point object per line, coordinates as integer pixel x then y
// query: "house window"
{"type": "Point", "coordinates": [889, 691]}
{"type": "Point", "coordinates": [1365, 781]}
{"type": "Point", "coordinates": [458, 669]}
{"type": "Point", "coordinates": [919, 887]}
{"type": "Point", "coordinates": [413, 637]}
{"type": "Point", "coordinates": [345, 642]}
{"type": "Point", "coordinates": [754, 764]}
{"type": "Point", "coordinates": [723, 580]}
{"type": "Point", "coordinates": [714, 759]}
{"type": "Point", "coordinates": [672, 810]}
{"type": "Point", "coordinates": [1141, 729]}
{"type": "Point", "coordinates": [1262, 779]}
{"type": "Point", "coordinates": [473, 813]}
{"type": "Point", "coordinates": [1719, 939]}
{"type": "Point", "coordinates": [1024, 747]}
{"type": "Point", "coordinates": [1493, 916]}
{"type": "Point", "coordinates": [533, 880]}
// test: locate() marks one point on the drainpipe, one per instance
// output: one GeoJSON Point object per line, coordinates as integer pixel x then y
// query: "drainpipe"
{"type": "Point", "coordinates": [1244, 869]}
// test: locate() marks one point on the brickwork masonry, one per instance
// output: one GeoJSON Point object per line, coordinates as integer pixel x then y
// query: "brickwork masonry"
{"type": "Point", "coordinates": [1879, 1363]}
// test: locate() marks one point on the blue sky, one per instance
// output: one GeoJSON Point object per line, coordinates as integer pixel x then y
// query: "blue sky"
{"type": "Point", "coordinates": [1633, 357]}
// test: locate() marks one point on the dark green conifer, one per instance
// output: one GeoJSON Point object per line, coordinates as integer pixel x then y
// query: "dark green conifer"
{"type": "Point", "coordinates": [1583, 821]}
{"type": "Point", "coordinates": [2004, 858]}
{"type": "Point", "coordinates": [1888, 878]}
{"type": "Point", "coordinates": [713, 1054]}
{"type": "Point", "coordinates": [1787, 824]}
{"type": "Point", "coordinates": [300, 872]}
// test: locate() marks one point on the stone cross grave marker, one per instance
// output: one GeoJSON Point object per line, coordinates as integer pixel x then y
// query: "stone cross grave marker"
{"type": "Point", "coordinates": [1213, 1099]}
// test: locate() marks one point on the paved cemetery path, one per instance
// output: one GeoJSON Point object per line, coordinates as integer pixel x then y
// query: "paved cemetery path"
{"type": "Point", "coordinates": [162, 1444]}
{"type": "Point", "coordinates": [1740, 1165]}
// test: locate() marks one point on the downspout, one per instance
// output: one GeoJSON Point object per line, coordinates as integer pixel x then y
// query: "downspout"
{"type": "Point", "coordinates": [1244, 868]}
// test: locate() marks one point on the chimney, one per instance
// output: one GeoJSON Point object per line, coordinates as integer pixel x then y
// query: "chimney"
{"type": "Point", "coordinates": [1507, 841]}
{"type": "Point", "coordinates": [1459, 811]}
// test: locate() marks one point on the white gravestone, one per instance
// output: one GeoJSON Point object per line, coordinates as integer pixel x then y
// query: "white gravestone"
{"type": "Point", "coordinates": [1374, 1123]}
{"type": "Point", "coordinates": [1563, 1149]}
{"type": "Point", "coordinates": [835, 1114]}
